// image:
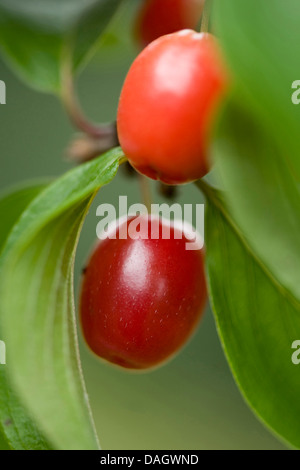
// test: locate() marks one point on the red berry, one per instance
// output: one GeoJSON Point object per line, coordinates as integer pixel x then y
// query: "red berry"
{"type": "Point", "coordinates": [167, 106]}
{"type": "Point", "coordinates": [159, 17]}
{"type": "Point", "coordinates": [141, 298]}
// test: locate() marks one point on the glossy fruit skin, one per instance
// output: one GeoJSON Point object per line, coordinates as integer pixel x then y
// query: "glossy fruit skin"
{"type": "Point", "coordinates": [159, 17]}
{"type": "Point", "coordinates": [168, 105]}
{"type": "Point", "coordinates": [141, 299]}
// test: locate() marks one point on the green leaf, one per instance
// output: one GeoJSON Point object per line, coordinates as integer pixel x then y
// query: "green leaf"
{"type": "Point", "coordinates": [257, 321]}
{"type": "Point", "coordinates": [257, 144]}
{"type": "Point", "coordinates": [19, 431]}
{"type": "Point", "coordinates": [13, 203]}
{"type": "Point", "coordinates": [262, 194]}
{"type": "Point", "coordinates": [261, 42]}
{"type": "Point", "coordinates": [37, 307]}
{"type": "Point", "coordinates": [253, 246]}
{"type": "Point", "coordinates": [34, 36]}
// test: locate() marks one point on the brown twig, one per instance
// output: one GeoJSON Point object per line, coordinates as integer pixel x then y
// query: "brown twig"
{"type": "Point", "coordinates": [206, 16]}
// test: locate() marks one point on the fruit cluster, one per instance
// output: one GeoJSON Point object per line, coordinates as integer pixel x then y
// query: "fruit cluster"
{"type": "Point", "coordinates": [142, 298]}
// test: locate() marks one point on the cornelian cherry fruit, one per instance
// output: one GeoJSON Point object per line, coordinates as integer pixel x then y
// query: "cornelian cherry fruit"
{"type": "Point", "coordinates": [159, 17]}
{"type": "Point", "coordinates": [142, 297]}
{"type": "Point", "coordinates": [168, 105]}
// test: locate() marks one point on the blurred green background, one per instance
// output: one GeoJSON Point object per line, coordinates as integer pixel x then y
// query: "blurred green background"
{"type": "Point", "coordinates": [190, 403]}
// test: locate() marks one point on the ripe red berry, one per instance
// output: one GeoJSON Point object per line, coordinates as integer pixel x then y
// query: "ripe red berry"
{"type": "Point", "coordinates": [167, 106]}
{"type": "Point", "coordinates": [159, 17]}
{"type": "Point", "coordinates": [141, 298]}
